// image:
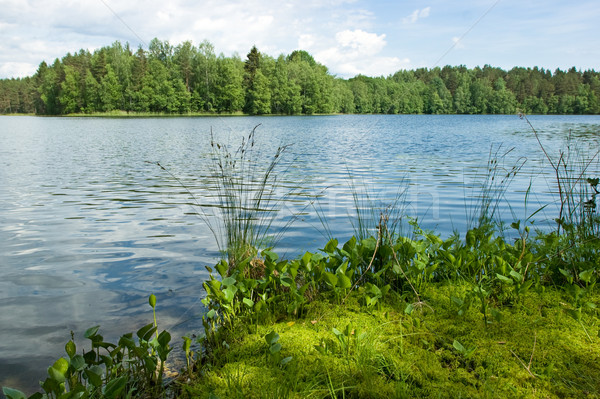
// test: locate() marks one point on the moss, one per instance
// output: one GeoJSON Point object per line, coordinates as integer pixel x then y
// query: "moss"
{"type": "Point", "coordinates": [536, 349]}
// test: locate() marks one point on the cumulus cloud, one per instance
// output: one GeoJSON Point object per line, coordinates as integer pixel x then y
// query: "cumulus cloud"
{"type": "Point", "coordinates": [360, 42]}
{"type": "Point", "coordinates": [358, 52]}
{"type": "Point", "coordinates": [416, 15]}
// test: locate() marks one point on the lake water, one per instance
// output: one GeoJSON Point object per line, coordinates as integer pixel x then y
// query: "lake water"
{"type": "Point", "coordinates": [90, 225]}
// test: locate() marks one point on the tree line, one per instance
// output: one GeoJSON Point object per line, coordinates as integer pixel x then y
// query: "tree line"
{"type": "Point", "coordinates": [193, 79]}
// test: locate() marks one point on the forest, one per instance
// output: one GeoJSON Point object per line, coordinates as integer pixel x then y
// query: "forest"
{"type": "Point", "coordinates": [185, 78]}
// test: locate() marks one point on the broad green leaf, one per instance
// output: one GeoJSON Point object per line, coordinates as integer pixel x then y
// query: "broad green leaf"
{"type": "Point", "coordinates": [272, 338]}
{"type": "Point", "coordinates": [515, 275]}
{"type": "Point", "coordinates": [286, 281]}
{"type": "Point", "coordinates": [504, 279]}
{"type": "Point", "coordinates": [59, 369]}
{"type": "Point", "coordinates": [248, 302]}
{"type": "Point", "coordinates": [459, 347]}
{"type": "Point", "coordinates": [145, 333]}
{"type": "Point", "coordinates": [13, 393]}
{"type": "Point", "coordinates": [228, 281]}
{"type": "Point", "coordinates": [90, 332]}
{"type": "Point", "coordinates": [586, 276]}
{"type": "Point", "coordinates": [331, 246]}
{"type": "Point", "coordinates": [114, 387]}
{"type": "Point", "coordinates": [164, 338]}
{"type": "Point", "coordinates": [94, 376]}
{"type": "Point", "coordinates": [343, 281]}
{"type": "Point", "coordinates": [330, 278]}
{"type": "Point", "coordinates": [77, 362]}
{"type": "Point", "coordinates": [70, 348]}
{"type": "Point", "coordinates": [222, 268]}
{"type": "Point", "coordinates": [229, 293]}
{"type": "Point", "coordinates": [306, 260]}
{"type": "Point", "coordinates": [275, 348]}
{"type": "Point", "coordinates": [272, 256]}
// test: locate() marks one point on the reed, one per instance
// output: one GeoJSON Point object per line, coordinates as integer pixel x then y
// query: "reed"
{"type": "Point", "coordinates": [246, 187]}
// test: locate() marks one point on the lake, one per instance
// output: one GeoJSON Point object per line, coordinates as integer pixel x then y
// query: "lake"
{"type": "Point", "coordinates": [90, 225]}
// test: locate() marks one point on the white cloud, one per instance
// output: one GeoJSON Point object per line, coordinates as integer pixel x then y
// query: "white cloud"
{"type": "Point", "coordinates": [360, 42]}
{"type": "Point", "coordinates": [358, 52]}
{"type": "Point", "coordinates": [416, 15]}
{"type": "Point", "coordinates": [306, 41]}
{"type": "Point", "coordinates": [17, 69]}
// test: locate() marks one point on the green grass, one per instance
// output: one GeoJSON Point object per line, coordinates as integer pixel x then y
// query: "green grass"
{"type": "Point", "coordinates": [535, 350]}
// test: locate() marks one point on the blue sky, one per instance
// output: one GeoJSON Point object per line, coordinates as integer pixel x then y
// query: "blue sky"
{"type": "Point", "coordinates": [348, 36]}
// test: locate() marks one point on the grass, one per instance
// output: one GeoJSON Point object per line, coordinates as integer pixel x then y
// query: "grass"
{"type": "Point", "coordinates": [534, 351]}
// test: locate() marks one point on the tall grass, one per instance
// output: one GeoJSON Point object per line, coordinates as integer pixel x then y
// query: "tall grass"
{"type": "Point", "coordinates": [494, 182]}
{"type": "Point", "coordinates": [371, 208]}
{"type": "Point", "coordinates": [245, 183]}
{"type": "Point", "coordinates": [575, 181]}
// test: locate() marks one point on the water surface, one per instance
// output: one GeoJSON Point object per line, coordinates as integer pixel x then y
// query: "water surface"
{"type": "Point", "coordinates": [90, 225]}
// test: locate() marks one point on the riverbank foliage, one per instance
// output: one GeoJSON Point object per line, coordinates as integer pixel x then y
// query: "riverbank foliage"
{"type": "Point", "coordinates": [493, 312]}
{"type": "Point", "coordinates": [184, 79]}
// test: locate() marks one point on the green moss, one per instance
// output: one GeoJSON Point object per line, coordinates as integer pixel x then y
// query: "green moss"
{"type": "Point", "coordinates": [535, 350]}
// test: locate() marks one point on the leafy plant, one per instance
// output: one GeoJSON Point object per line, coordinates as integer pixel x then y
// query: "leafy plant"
{"type": "Point", "coordinates": [108, 370]}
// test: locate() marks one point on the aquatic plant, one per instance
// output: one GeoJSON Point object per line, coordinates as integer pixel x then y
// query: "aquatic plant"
{"type": "Point", "coordinates": [248, 198]}
{"type": "Point", "coordinates": [132, 367]}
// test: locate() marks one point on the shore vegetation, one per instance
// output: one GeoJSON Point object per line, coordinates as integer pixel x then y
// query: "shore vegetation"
{"type": "Point", "coordinates": [384, 314]}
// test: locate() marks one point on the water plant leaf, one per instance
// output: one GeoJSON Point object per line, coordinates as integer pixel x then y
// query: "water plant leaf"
{"type": "Point", "coordinates": [94, 376]}
{"type": "Point", "coordinates": [504, 279]}
{"type": "Point", "coordinates": [272, 338]}
{"type": "Point", "coordinates": [331, 246]}
{"type": "Point", "coordinates": [164, 338]}
{"type": "Point", "coordinates": [92, 331]}
{"type": "Point", "coordinates": [70, 348]}
{"type": "Point", "coordinates": [458, 346]}
{"type": "Point", "coordinates": [13, 393]}
{"type": "Point", "coordinates": [77, 362]}
{"type": "Point", "coordinates": [330, 278]}
{"type": "Point", "coordinates": [517, 276]}
{"type": "Point", "coordinates": [343, 281]}
{"type": "Point", "coordinates": [114, 387]}
{"type": "Point", "coordinates": [285, 360]}
{"type": "Point", "coordinates": [586, 275]}
{"type": "Point", "coordinates": [58, 370]}
{"type": "Point", "coordinates": [222, 267]}
{"type": "Point", "coordinates": [270, 255]}
{"type": "Point", "coordinates": [275, 348]}
{"type": "Point", "coordinates": [145, 333]}
{"type": "Point", "coordinates": [228, 281]}
{"type": "Point", "coordinates": [248, 302]}
{"type": "Point", "coordinates": [286, 282]}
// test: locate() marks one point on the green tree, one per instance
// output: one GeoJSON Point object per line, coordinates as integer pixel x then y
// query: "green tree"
{"type": "Point", "coordinates": [111, 91]}
{"type": "Point", "coordinates": [229, 90]}
{"type": "Point", "coordinates": [70, 95]}
{"type": "Point", "coordinates": [91, 101]}
{"type": "Point", "coordinates": [258, 95]}
{"type": "Point", "coordinates": [205, 76]}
